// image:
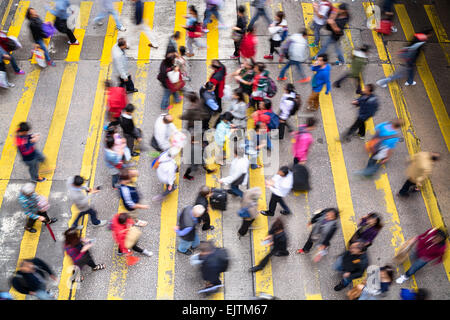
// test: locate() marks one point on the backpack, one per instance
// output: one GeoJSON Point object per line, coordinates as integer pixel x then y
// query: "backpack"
{"type": "Point", "coordinates": [48, 29]}
{"type": "Point", "coordinates": [297, 103]}
{"type": "Point", "coordinates": [274, 120]}
{"type": "Point", "coordinates": [223, 258]}
{"type": "Point", "coordinates": [271, 88]}
{"type": "Point", "coordinates": [243, 213]}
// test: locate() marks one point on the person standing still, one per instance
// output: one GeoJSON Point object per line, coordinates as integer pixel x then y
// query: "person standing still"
{"type": "Point", "coordinates": [322, 10]}
{"type": "Point", "coordinates": [108, 9]}
{"type": "Point", "coordinates": [120, 65]}
{"type": "Point", "coordinates": [321, 77]}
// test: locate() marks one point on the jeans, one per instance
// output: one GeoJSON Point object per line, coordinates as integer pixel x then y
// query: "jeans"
{"type": "Point", "coordinates": [44, 48]}
{"type": "Point", "coordinates": [184, 245]}
{"type": "Point", "coordinates": [372, 168]}
{"type": "Point", "coordinates": [316, 28]}
{"type": "Point", "coordinates": [338, 267]}
{"type": "Point", "coordinates": [90, 212]}
{"type": "Point", "coordinates": [106, 13]}
{"type": "Point", "coordinates": [365, 295]}
{"type": "Point", "coordinates": [416, 265]}
{"type": "Point", "coordinates": [406, 187]}
{"type": "Point", "coordinates": [115, 180]}
{"type": "Point", "coordinates": [274, 200]}
{"type": "Point", "coordinates": [337, 46]}
{"type": "Point", "coordinates": [166, 98]}
{"type": "Point", "coordinates": [359, 125]}
{"type": "Point", "coordinates": [236, 191]}
{"type": "Point", "coordinates": [404, 72]}
{"type": "Point", "coordinates": [42, 294]}
{"type": "Point", "coordinates": [297, 64]}
{"type": "Point", "coordinates": [12, 60]}
{"type": "Point", "coordinates": [33, 165]}
{"type": "Point", "coordinates": [208, 13]}
{"type": "Point", "coordinates": [260, 12]}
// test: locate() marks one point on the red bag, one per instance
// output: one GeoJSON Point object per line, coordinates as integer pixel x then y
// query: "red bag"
{"type": "Point", "coordinates": [174, 87]}
{"type": "Point", "coordinates": [385, 27]}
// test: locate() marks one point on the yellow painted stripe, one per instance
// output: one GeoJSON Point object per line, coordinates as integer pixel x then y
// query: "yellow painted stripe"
{"type": "Point", "coordinates": [5, 16]}
{"type": "Point", "coordinates": [313, 297]}
{"type": "Point", "coordinates": [308, 15]}
{"type": "Point", "coordinates": [18, 20]}
{"type": "Point", "coordinates": [439, 30]}
{"type": "Point", "coordinates": [427, 78]}
{"type": "Point", "coordinates": [167, 236]}
{"type": "Point", "coordinates": [67, 291]}
{"type": "Point", "coordinates": [411, 140]}
{"type": "Point", "coordinates": [118, 277]}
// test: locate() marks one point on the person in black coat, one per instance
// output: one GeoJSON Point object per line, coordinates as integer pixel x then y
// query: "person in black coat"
{"type": "Point", "coordinates": [30, 278]}
{"type": "Point", "coordinates": [203, 199]}
{"type": "Point", "coordinates": [37, 33]}
{"type": "Point", "coordinates": [352, 263]}
{"type": "Point", "coordinates": [211, 266]}
{"type": "Point", "coordinates": [130, 131]}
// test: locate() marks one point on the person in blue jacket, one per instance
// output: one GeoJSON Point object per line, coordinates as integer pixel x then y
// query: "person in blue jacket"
{"type": "Point", "coordinates": [321, 70]}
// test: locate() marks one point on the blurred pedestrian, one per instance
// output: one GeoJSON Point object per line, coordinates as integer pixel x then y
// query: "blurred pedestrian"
{"type": "Point", "coordinates": [167, 170]}
{"type": "Point", "coordinates": [325, 225]}
{"type": "Point", "coordinates": [120, 65]}
{"type": "Point", "coordinates": [141, 25]}
{"type": "Point", "coordinates": [107, 10]}
{"type": "Point", "coordinates": [278, 30]}
{"type": "Point", "coordinates": [185, 228]}
{"type": "Point", "coordinates": [296, 50]}
{"type": "Point", "coordinates": [388, 10]}
{"type": "Point", "coordinates": [260, 84]}
{"type": "Point", "coordinates": [218, 77]}
{"type": "Point", "coordinates": [260, 6]}
{"type": "Point", "coordinates": [368, 228]}
{"type": "Point", "coordinates": [222, 136]}
{"type": "Point", "coordinates": [130, 195]}
{"type": "Point", "coordinates": [167, 65]}
{"type": "Point", "coordinates": [321, 10]}
{"type": "Point", "coordinates": [214, 261]}
{"type": "Point", "coordinates": [212, 8]}
{"type": "Point", "coordinates": [244, 76]}
{"type": "Point", "coordinates": [414, 294]}
{"type": "Point", "coordinates": [130, 131]}
{"type": "Point", "coordinates": [163, 130]}
{"type": "Point", "coordinates": [203, 199]}
{"type": "Point", "coordinates": [249, 209]}
{"type": "Point", "coordinates": [369, 291]}
{"type": "Point", "coordinates": [61, 15]}
{"type": "Point", "coordinates": [419, 169]}
{"type": "Point", "coordinates": [238, 109]}
{"type": "Point", "coordinates": [359, 62]}
{"type": "Point", "coordinates": [79, 196]}
{"type": "Point", "coordinates": [38, 34]}
{"type": "Point", "coordinates": [116, 102]}
{"type": "Point", "coordinates": [280, 185]}
{"type": "Point", "coordinates": [352, 263]}
{"type": "Point", "coordinates": [303, 141]}
{"type": "Point", "coordinates": [113, 160]}
{"type": "Point", "coordinates": [35, 207]}
{"type": "Point", "coordinates": [31, 278]}
{"type": "Point", "coordinates": [289, 105]}
{"type": "Point", "coordinates": [172, 46]}
{"type": "Point", "coordinates": [277, 239]}
{"type": "Point", "coordinates": [249, 42]}
{"type": "Point", "coordinates": [368, 106]}
{"type": "Point", "coordinates": [209, 100]}
{"type": "Point", "coordinates": [321, 77]}
{"type": "Point", "coordinates": [194, 31]}
{"type": "Point", "coordinates": [78, 250]}
{"type": "Point", "coordinates": [6, 55]}
{"type": "Point", "coordinates": [239, 30]}
{"type": "Point", "coordinates": [238, 174]}
{"type": "Point", "coordinates": [430, 245]}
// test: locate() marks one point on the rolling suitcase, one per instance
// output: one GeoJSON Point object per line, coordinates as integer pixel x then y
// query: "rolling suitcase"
{"type": "Point", "coordinates": [218, 200]}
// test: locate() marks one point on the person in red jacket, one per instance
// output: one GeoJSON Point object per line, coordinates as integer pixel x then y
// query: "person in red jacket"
{"type": "Point", "coordinates": [218, 79]}
{"type": "Point", "coordinates": [247, 50]}
{"type": "Point", "coordinates": [116, 101]}
{"type": "Point", "coordinates": [430, 245]}
{"type": "Point", "coordinates": [120, 226]}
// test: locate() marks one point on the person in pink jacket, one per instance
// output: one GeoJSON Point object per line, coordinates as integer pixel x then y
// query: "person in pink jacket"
{"type": "Point", "coordinates": [303, 140]}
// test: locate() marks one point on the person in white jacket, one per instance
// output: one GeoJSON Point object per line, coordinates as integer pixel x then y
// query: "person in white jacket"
{"type": "Point", "coordinates": [280, 185]}
{"type": "Point", "coordinates": [120, 65]}
{"type": "Point", "coordinates": [164, 129]}
{"type": "Point", "coordinates": [276, 29]}
{"type": "Point", "coordinates": [296, 47]}
{"type": "Point", "coordinates": [238, 174]}
{"type": "Point", "coordinates": [108, 9]}
{"type": "Point", "coordinates": [167, 169]}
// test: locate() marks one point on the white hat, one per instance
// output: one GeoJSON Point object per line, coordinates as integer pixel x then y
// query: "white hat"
{"type": "Point", "coordinates": [28, 188]}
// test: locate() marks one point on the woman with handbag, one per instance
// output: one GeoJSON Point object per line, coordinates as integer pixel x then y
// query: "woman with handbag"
{"type": "Point", "coordinates": [36, 27]}
{"type": "Point", "coordinates": [167, 65]}
{"type": "Point", "coordinates": [368, 228]}
{"type": "Point", "coordinates": [238, 31]}
{"type": "Point", "coordinates": [126, 235]}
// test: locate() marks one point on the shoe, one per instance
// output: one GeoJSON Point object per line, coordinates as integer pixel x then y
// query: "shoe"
{"type": "Point", "coordinates": [122, 28]}
{"type": "Point", "coordinates": [80, 227]}
{"type": "Point", "coordinates": [336, 84]}
{"type": "Point", "coordinates": [40, 179]}
{"type": "Point", "coordinates": [205, 30]}
{"type": "Point", "coordinates": [210, 289]}
{"type": "Point", "coordinates": [393, 29]}
{"type": "Point", "coordinates": [51, 63]}
{"type": "Point", "coordinates": [100, 23]}
{"type": "Point", "coordinates": [141, 223]}
{"type": "Point", "coordinates": [412, 84]}
{"type": "Point", "coordinates": [301, 251]}
{"type": "Point", "coordinates": [380, 83]}
{"type": "Point", "coordinates": [11, 85]}
{"type": "Point", "coordinates": [254, 269]}
{"type": "Point", "coordinates": [266, 213]}
{"type": "Point", "coordinates": [189, 55]}
{"type": "Point", "coordinates": [74, 43]}
{"type": "Point", "coordinates": [135, 154]}
{"type": "Point", "coordinates": [362, 137]}
{"type": "Point", "coordinates": [281, 254]}
{"type": "Point", "coordinates": [151, 45]}
{"type": "Point", "coordinates": [52, 220]}
{"type": "Point", "coordinates": [210, 228]}
{"type": "Point", "coordinates": [234, 57]}
{"type": "Point", "coordinates": [190, 178]}
{"type": "Point", "coordinates": [403, 195]}
{"type": "Point", "coordinates": [133, 91]}
{"type": "Point", "coordinates": [188, 252]}
{"type": "Point", "coordinates": [147, 253]}
{"type": "Point", "coordinates": [401, 279]}
{"type": "Point", "coordinates": [101, 224]}
{"type": "Point", "coordinates": [268, 57]}
{"type": "Point", "coordinates": [339, 287]}
{"type": "Point", "coordinates": [338, 63]}
{"type": "Point", "coordinates": [281, 79]}
{"type": "Point", "coordinates": [285, 212]}
{"type": "Point", "coordinates": [32, 230]}
{"type": "Point", "coordinates": [20, 72]}
{"type": "Point", "coordinates": [304, 80]}
{"type": "Point", "coordinates": [312, 45]}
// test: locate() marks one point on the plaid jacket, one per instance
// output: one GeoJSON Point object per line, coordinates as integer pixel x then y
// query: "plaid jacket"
{"type": "Point", "coordinates": [30, 204]}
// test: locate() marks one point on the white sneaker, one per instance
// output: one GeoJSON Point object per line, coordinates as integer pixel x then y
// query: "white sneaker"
{"type": "Point", "coordinates": [74, 44]}
{"type": "Point", "coordinates": [401, 279]}
{"type": "Point", "coordinates": [122, 28]}
{"type": "Point", "coordinates": [99, 22]}
{"type": "Point", "coordinates": [80, 227]}
{"type": "Point", "coordinates": [412, 84]}
{"type": "Point", "coordinates": [11, 85]}
{"type": "Point", "coordinates": [393, 29]}
{"type": "Point", "coordinates": [147, 253]}
{"type": "Point", "coordinates": [101, 224]}
{"type": "Point", "coordinates": [380, 83]}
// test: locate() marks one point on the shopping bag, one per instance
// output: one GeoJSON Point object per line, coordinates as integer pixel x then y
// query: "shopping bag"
{"type": "Point", "coordinates": [40, 58]}
{"type": "Point", "coordinates": [132, 237]}
{"type": "Point", "coordinates": [403, 251]}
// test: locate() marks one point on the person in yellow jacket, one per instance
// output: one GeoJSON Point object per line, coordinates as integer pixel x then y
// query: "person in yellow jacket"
{"type": "Point", "coordinates": [419, 169]}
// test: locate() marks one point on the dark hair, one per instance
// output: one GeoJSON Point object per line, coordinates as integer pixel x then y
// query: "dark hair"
{"type": "Point", "coordinates": [169, 60]}
{"type": "Point", "coordinates": [216, 64]}
{"type": "Point", "coordinates": [241, 9]}
{"type": "Point", "coordinates": [376, 216]}
{"type": "Point", "coordinates": [24, 127]}
{"type": "Point", "coordinates": [427, 31]}
{"type": "Point", "coordinates": [436, 156]}
{"type": "Point", "coordinates": [182, 50]}
{"type": "Point", "coordinates": [193, 9]}
{"type": "Point", "coordinates": [261, 66]}
{"type": "Point", "coordinates": [280, 14]}
{"type": "Point", "coordinates": [28, 14]}
{"type": "Point", "coordinates": [72, 237]}
{"type": "Point", "coordinates": [109, 142]}
{"type": "Point", "coordinates": [108, 84]}
{"type": "Point", "coordinates": [336, 211]}
{"type": "Point", "coordinates": [124, 176]}
{"type": "Point", "coordinates": [422, 294]}
{"type": "Point", "coordinates": [389, 271]}
{"type": "Point", "coordinates": [284, 169]}
{"type": "Point", "coordinates": [310, 122]}
{"type": "Point", "coordinates": [123, 217]}
{"type": "Point", "coordinates": [371, 87]}
{"type": "Point", "coordinates": [121, 42]}
{"type": "Point", "coordinates": [129, 108]}
{"type": "Point", "coordinates": [192, 96]}
{"type": "Point", "coordinates": [258, 126]}
{"type": "Point", "coordinates": [397, 123]}
{"type": "Point", "coordinates": [303, 32]}
{"type": "Point", "coordinates": [441, 233]}
{"type": "Point", "coordinates": [324, 57]}
{"type": "Point", "coordinates": [204, 191]}
{"type": "Point", "coordinates": [165, 119]}
{"type": "Point", "coordinates": [277, 225]}
{"type": "Point", "coordinates": [240, 94]}
{"type": "Point", "coordinates": [343, 6]}
{"type": "Point", "coordinates": [290, 87]}
{"type": "Point", "coordinates": [227, 116]}
{"type": "Point", "coordinates": [206, 246]}
{"type": "Point", "coordinates": [267, 104]}
{"type": "Point", "coordinates": [78, 181]}
{"type": "Point", "coordinates": [209, 85]}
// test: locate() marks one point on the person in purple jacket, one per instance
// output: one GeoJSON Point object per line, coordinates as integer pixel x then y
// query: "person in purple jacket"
{"type": "Point", "coordinates": [368, 228]}
{"type": "Point", "coordinates": [321, 77]}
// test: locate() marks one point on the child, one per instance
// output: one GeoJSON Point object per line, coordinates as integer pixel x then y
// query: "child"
{"type": "Point", "coordinates": [278, 31]}
{"type": "Point", "coordinates": [182, 64]}
{"type": "Point", "coordinates": [194, 28]}
{"type": "Point", "coordinates": [130, 132]}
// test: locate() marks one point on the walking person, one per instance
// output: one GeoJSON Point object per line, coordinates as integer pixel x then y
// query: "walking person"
{"type": "Point", "coordinates": [172, 46]}
{"type": "Point", "coordinates": [35, 207]}
{"type": "Point", "coordinates": [31, 278]}
{"type": "Point", "coordinates": [277, 239]}
{"type": "Point", "coordinates": [25, 142]}
{"type": "Point", "coordinates": [303, 141]}
{"type": "Point", "coordinates": [141, 26]}
{"type": "Point", "coordinates": [116, 102]}
{"type": "Point", "coordinates": [212, 8]}
{"type": "Point", "coordinates": [130, 131]}
{"type": "Point", "coordinates": [372, 291]}
{"type": "Point", "coordinates": [77, 249]}
{"type": "Point", "coordinates": [208, 98]}
{"type": "Point", "coordinates": [368, 228]}
{"type": "Point", "coordinates": [121, 225]}
{"type": "Point", "coordinates": [289, 105]}
{"type": "Point", "coordinates": [244, 76]}
{"type": "Point", "coordinates": [325, 225]}
{"type": "Point", "coordinates": [203, 199]}
{"type": "Point", "coordinates": [239, 30]}
{"type": "Point", "coordinates": [221, 136]}
{"type": "Point", "coordinates": [163, 130]}
{"type": "Point", "coordinates": [352, 264]}
{"type": "Point", "coordinates": [419, 169]}
{"type": "Point", "coordinates": [113, 160]}
{"type": "Point", "coordinates": [107, 10]}
{"type": "Point", "coordinates": [336, 23]}
{"type": "Point", "coordinates": [238, 109]}
{"type": "Point", "coordinates": [321, 11]}
{"type": "Point", "coordinates": [61, 15]}
{"type": "Point", "coordinates": [238, 174]}
{"type": "Point", "coordinates": [218, 78]}
{"type": "Point", "coordinates": [214, 261]}
{"type": "Point", "coordinates": [430, 245]}
{"type": "Point", "coordinates": [249, 209]}
{"type": "Point", "coordinates": [280, 185]}
{"type": "Point", "coordinates": [6, 54]}
{"type": "Point", "coordinates": [185, 228]}
{"type": "Point", "coordinates": [359, 62]}
{"type": "Point", "coordinates": [249, 42]}
{"type": "Point", "coordinates": [385, 141]}
{"type": "Point", "coordinates": [296, 51]}
{"type": "Point", "coordinates": [120, 64]}
{"type": "Point", "coordinates": [79, 196]}
{"type": "Point", "coordinates": [167, 65]}
{"type": "Point", "coordinates": [368, 106]}
{"type": "Point", "coordinates": [130, 196]}
{"type": "Point", "coordinates": [259, 84]}
{"type": "Point", "coordinates": [409, 56]}
{"type": "Point", "coordinates": [278, 30]}
{"type": "Point", "coordinates": [167, 170]}
{"type": "Point", "coordinates": [194, 31]}
{"type": "Point", "coordinates": [260, 6]}
{"type": "Point", "coordinates": [321, 77]}
{"type": "Point", "coordinates": [38, 34]}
